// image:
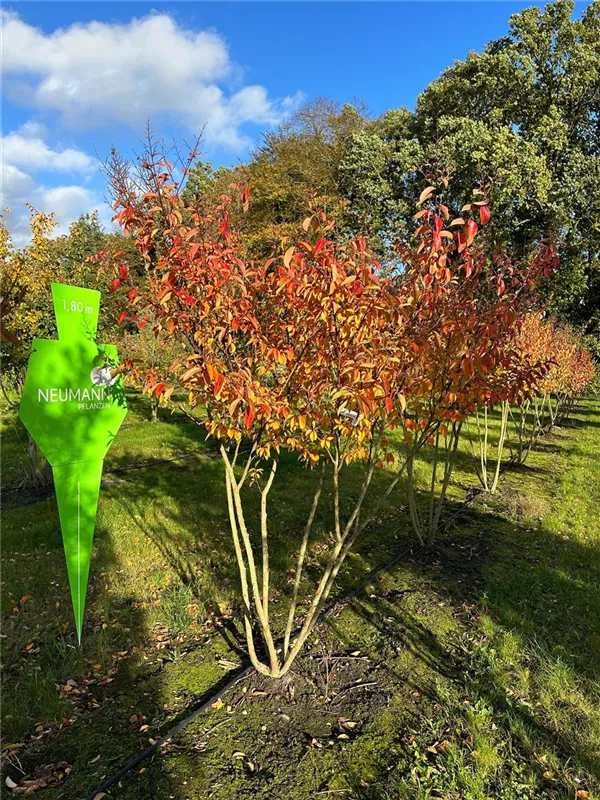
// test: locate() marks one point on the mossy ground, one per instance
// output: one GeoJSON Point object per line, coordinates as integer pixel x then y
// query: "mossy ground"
{"type": "Point", "coordinates": [467, 672]}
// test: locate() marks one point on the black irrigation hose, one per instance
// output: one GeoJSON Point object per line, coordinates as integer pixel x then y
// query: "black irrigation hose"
{"type": "Point", "coordinates": [241, 673]}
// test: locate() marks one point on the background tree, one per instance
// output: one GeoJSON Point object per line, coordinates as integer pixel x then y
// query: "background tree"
{"type": "Point", "coordinates": [295, 170]}
{"type": "Point", "coordinates": [14, 286]}
{"type": "Point", "coordinates": [469, 306]}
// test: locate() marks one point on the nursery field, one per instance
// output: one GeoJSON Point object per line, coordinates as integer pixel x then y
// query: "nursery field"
{"type": "Point", "coordinates": [466, 672]}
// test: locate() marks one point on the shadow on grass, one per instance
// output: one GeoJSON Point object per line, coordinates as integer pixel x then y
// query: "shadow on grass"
{"type": "Point", "coordinates": [507, 572]}
{"type": "Point", "coordinates": [541, 586]}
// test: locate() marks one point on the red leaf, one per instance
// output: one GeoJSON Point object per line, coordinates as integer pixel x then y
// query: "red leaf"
{"type": "Point", "coordinates": [484, 214]}
{"type": "Point", "coordinates": [115, 285]}
{"type": "Point", "coordinates": [471, 230]}
{"type": "Point", "coordinates": [123, 271]}
{"type": "Point", "coordinates": [249, 415]}
{"type": "Point", "coordinates": [121, 317]}
{"type": "Point", "coordinates": [160, 387]}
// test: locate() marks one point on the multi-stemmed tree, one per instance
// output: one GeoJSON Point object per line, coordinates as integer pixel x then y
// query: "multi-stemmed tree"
{"type": "Point", "coordinates": [317, 353]}
{"type": "Point", "coordinates": [295, 353]}
{"type": "Point", "coordinates": [470, 306]}
{"type": "Point", "coordinates": [568, 369]}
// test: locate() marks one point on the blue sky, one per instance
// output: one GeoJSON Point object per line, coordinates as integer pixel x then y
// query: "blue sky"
{"type": "Point", "coordinates": [79, 77]}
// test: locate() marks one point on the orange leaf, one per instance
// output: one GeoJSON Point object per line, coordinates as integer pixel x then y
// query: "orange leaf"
{"type": "Point", "coordinates": [425, 194]}
{"type": "Point", "coordinates": [288, 255]}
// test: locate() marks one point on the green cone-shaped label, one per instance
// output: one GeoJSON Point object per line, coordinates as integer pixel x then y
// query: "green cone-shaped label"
{"type": "Point", "coordinates": [73, 407]}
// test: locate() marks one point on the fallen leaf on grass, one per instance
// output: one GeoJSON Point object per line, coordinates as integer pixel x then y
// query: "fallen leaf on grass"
{"type": "Point", "coordinates": [137, 722]}
{"type": "Point", "coordinates": [45, 776]}
{"type": "Point", "coordinates": [349, 724]}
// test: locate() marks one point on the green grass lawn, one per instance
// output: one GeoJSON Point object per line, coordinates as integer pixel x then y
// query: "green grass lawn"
{"type": "Point", "coordinates": [467, 672]}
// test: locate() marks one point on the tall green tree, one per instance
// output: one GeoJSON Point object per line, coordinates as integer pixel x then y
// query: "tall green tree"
{"type": "Point", "coordinates": [523, 116]}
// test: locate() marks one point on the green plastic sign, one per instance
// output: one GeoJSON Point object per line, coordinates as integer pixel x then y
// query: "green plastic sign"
{"type": "Point", "coordinates": [73, 407]}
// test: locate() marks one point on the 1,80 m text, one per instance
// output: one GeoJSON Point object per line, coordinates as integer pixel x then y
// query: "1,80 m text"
{"type": "Point", "coordinates": [77, 306]}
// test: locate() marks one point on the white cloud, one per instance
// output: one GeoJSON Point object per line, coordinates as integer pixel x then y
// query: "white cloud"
{"type": "Point", "coordinates": [67, 203]}
{"type": "Point", "coordinates": [33, 129]}
{"type": "Point", "coordinates": [25, 148]}
{"type": "Point", "coordinates": [98, 73]}
{"type": "Point", "coordinates": [15, 185]}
